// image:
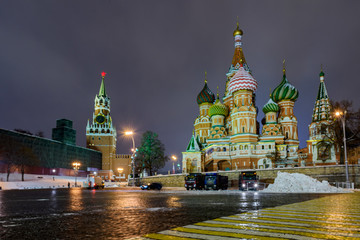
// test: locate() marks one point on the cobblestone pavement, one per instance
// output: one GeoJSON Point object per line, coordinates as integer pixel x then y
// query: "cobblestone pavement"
{"type": "Point", "coordinates": [331, 217]}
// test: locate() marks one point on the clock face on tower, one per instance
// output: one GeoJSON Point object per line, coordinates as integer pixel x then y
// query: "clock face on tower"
{"type": "Point", "coordinates": [100, 119]}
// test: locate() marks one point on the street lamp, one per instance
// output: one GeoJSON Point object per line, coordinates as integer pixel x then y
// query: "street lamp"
{"type": "Point", "coordinates": [76, 166]}
{"type": "Point", "coordinates": [341, 116]}
{"type": "Point", "coordinates": [174, 158]}
{"type": "Point", "coordinates": [131, 134]}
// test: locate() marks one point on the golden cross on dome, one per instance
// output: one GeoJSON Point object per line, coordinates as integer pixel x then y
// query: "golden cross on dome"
{"type": "Point", "coordinates": [270, 92]}
{"type": "Point", "coordinates": [321, 67]}
{"type": "Point", "coordinates": [217, 89]}
{"type": "Point", "coordinates": [205, 77]}
{"type": "Point", "coordinates": [284, 70]}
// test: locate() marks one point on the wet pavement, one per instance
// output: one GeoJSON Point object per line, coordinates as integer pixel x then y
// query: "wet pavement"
{"type": "Point", "coordinates": [331, 217]}
{"type": "Point", "coordinates": [119, 214]}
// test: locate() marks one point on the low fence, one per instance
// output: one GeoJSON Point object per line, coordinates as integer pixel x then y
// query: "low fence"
{"type": "Point", "coordinates": [334, 173]}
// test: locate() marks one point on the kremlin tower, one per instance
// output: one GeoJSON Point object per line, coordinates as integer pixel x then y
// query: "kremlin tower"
{"type": "Point", "coordinates": [101, 136]}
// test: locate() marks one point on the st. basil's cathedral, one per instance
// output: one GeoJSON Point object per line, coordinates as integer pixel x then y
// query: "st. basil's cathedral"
{"type": "Point", "coordinates": [227, 135]}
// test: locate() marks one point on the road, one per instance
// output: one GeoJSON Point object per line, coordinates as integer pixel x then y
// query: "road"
{"type": "Point", "coordinates": [121, 214]}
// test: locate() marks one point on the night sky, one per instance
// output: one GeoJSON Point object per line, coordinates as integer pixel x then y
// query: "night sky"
{"type": "Point", "coordinates": [155, 54]}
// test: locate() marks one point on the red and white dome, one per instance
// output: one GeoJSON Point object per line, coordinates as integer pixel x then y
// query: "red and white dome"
{"type": "Point", "coordinates": [242, 80]}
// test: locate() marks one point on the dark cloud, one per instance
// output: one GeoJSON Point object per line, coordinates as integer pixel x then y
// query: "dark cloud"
{"type": "Point", "coordinates": [155, 54]}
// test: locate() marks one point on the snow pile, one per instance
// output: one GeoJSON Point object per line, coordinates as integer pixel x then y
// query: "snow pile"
{"type": "Point", "coordinates": [34, 181]}
{"type": "Point", "coordinates": [297, 182]}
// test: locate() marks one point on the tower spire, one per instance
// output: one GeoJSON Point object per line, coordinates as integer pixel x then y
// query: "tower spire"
{"type": "Point", "coordinates": [284, 67]}
{"type": "Point", "coordinates": [102, 91]}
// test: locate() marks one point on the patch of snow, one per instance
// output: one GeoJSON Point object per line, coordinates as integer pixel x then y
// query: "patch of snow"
{"type": "Point", "coordinates": [300, 183]}
{"type": "Point", "coordinates": [36, 181]}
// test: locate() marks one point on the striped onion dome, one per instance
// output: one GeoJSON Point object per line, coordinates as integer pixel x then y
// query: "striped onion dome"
{"type": "Point", "coordinates": [218, 109]}
{"type": "Point", "coordinates": [242, 80]}
{"type": "Point", "coordinates": [285, 91]}
{"type": "Point", "coordinates": [270, 106]}
{"type": "Point", "coordinates": [206, 95]}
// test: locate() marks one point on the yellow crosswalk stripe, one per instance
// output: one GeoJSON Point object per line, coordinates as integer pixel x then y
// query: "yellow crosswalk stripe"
{"type": "Point", "coordinates": [319, 223]}
{"type": "Point", "coordinates": [286, 225]}
{"type": "Point", "coordinates": [305, 232]}
{"type": "Point", "coordinates": [227, 234]}
{"type": "Point", "coordinates": [161, 237]}
{"type": "Point", "coordinates": [312, 214]}
{"type": "Point", "coordinates": [292, 216]}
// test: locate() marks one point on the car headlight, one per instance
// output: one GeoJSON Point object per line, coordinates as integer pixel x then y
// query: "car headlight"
{"type": "Point", "coordinates": [194, 185]}
{"type": "Point", "coordinates": [243, 185]}
{"type": "Point", "coordinates": [185, 185]}
{"type": "Point", "coordinates": [255, 185]}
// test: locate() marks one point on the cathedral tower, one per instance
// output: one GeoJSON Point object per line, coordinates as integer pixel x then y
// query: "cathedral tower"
{"type": "Point", "coordinates": [320, 145]}
{"type": "Point", "coordinates": [100, 132]}
{"type": "Point", "coordinates": [205, 100]}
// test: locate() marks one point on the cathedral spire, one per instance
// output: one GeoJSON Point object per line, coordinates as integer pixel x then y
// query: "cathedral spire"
{"type": "Point", "coordinates": [322, 103]}
{"type": "Point", "coordinates": [238, 53]}
{"type": "Point", "coordinates": [102, 86]}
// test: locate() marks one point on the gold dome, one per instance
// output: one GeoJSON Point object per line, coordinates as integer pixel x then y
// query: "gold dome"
{"type": "Point", "coordinates": [238, 31]}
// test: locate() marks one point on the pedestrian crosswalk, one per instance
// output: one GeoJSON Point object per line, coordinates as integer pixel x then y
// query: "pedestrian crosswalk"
{"type": "Point", "coordinates": [330, 217]}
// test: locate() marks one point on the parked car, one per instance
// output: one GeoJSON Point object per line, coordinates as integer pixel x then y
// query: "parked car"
{"type": "Point", "coordinates": [151, 186]}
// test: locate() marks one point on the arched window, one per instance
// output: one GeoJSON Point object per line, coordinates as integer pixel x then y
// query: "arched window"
{"type": "Point", "coordinates": [262, 147]}
{"type": "Point", "coordinates": [224, 149]}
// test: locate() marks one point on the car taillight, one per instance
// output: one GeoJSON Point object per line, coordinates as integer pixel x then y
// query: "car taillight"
{"type": "Point", "coordinates": [94, 184]}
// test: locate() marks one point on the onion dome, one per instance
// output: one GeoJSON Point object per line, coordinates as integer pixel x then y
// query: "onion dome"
{"type": "Point", "coordinates": [206, 95]}
{"type": "Point", "coordinates": [242, 80]}
{"type": "Point", "coordinates": [237, 31]}
{"type": "Point", "coordinates": [270, 106]}
{"type": "Point", "coordinates": [285, 91]}
{"type": "Point", "coordinates": [218, 108]}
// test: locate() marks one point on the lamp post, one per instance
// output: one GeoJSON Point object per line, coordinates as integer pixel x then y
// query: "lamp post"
{"type": "Point", "coordinates": [76, 166]}
{"type": "Point", "coordinates": [341, 116]}
{"type": "Point", "coordinates": [131, 134]}
{"type": "Point", "coordinates": [174, 158]}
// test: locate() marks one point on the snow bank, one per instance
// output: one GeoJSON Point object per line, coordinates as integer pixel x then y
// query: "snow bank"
{"type": "Point", "coordinates": [297, 182]}
{"type": "Point", "coordinates": [35, 181]}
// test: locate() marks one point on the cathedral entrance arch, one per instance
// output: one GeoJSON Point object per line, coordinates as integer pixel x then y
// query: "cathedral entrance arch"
{"type": "Point", "coordinates": [209, 167]}
{"type": "Point", "coordinates": [224, 165]}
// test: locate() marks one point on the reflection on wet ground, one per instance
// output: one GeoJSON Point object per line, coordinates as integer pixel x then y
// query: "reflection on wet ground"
{"type": "Point", "coordinates": [331, 217]}
{"type": "Point", "coordinates": [117, 214]}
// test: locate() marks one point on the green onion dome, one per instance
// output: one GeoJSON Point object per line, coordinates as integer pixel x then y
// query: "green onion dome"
{"type": "Point", "coordinates": [206, 95]}
{"type": "Point", "coordinates": [218, 109]}
{"type": "Point", "coordinates": [270, 106]}
{"type": "Point", "coordinates": [285, 91]}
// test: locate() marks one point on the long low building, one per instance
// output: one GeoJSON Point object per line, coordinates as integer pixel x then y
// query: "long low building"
{"type": "Point", "coordinates": [42, 155]}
